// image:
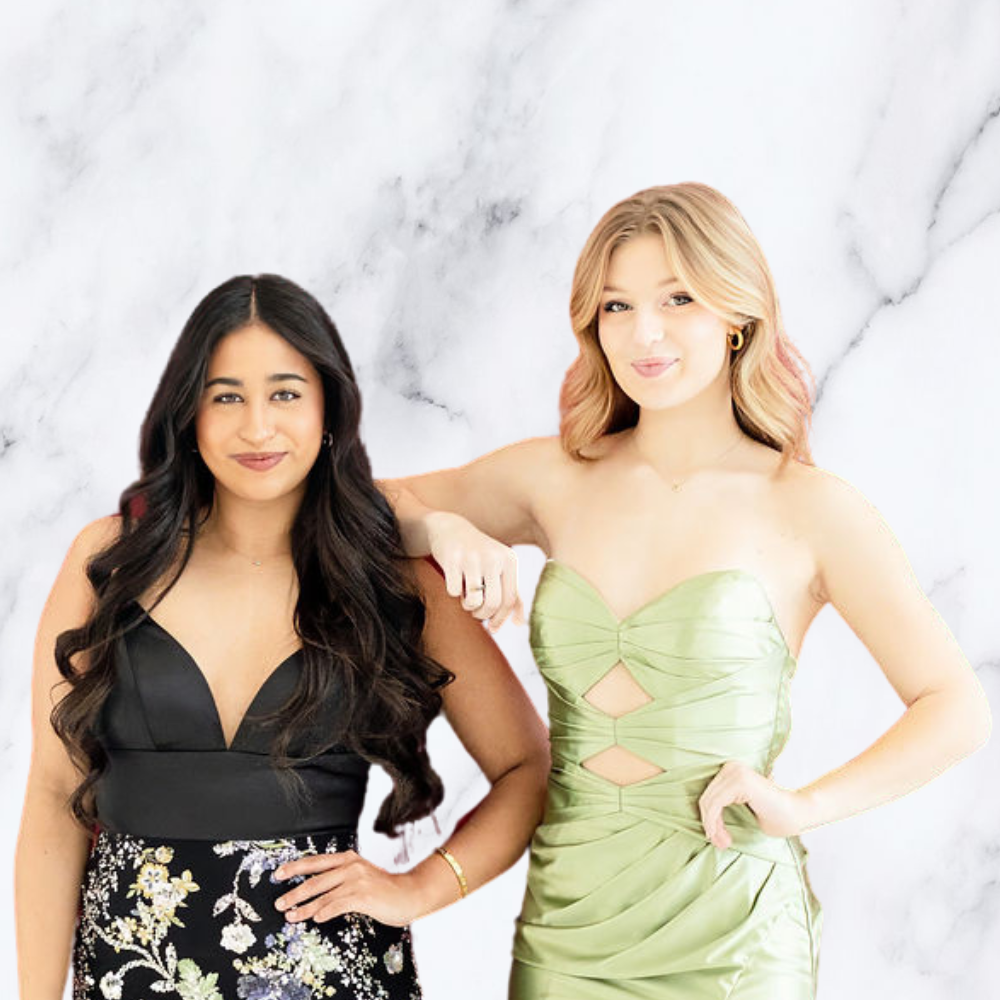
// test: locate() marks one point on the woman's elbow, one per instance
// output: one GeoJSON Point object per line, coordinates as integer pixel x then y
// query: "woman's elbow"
{"type": "Point", "coordinates": [532, 766]}
{"type": "Point", "coordinates": [540, 763]}
{"type": "Point", "coordinates": [981, 725]}
{"type": "Point", "coordinates": [972, 719]}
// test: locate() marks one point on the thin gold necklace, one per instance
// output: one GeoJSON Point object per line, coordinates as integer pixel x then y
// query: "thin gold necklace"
{"type": "Point", "coordinates": [676, 484]}
{"type": "Point", "coordinates": [243, 555]}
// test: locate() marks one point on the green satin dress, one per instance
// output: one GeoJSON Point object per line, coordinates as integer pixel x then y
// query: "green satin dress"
{"type": "Point", "coordinates": [626, 897]}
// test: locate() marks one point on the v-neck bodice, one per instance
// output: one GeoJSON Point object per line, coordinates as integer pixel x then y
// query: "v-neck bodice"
{"type": "Point", "coordinates": [204, 723]}
{"type": "Point", "coordinates": [170, 773]}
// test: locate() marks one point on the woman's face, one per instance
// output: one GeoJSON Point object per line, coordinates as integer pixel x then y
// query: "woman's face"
{"type": "Point", "coordinates": [663, 347]}
{"type": "Point", "coordinates": [260, 419]}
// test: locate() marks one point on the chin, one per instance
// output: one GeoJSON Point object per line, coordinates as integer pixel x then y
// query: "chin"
{"type": "Point", "coordinates": [650, 395]}
{"type": "Point", "coordinates": [262, 491]}
{"type": "Point", "coordinates": [646, 398]}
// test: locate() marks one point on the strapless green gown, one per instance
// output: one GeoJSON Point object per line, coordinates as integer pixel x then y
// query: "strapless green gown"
{"type": "Point", "coordinates": [626, 897]}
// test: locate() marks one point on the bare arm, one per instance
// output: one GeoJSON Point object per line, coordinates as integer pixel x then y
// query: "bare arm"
{"type": "Point", "coordinates": [496, 493]}
{"type": "Point", "coordinates": [867, 578]}
{"type": "Point", "coordinates": [52, 848]}
{"type": "Point", "coordinates": [865, 575]}
{"type": "Point", "coordinates": [468, 517]}
{"type": "Point", "coordinates": [496, 722]}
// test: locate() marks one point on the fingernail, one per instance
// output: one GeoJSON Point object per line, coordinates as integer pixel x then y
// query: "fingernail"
{"type": "Point", "coordinates": [280, 904]}
{"type": "Point", "coordinates": [279, 873]}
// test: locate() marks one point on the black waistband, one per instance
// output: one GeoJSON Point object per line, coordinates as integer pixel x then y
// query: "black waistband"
{"type": "Point", "coordinates": [212, 795]}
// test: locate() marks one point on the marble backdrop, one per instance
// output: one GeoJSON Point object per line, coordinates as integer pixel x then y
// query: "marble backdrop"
{"type": "Point", "coordinates": [430, 171]}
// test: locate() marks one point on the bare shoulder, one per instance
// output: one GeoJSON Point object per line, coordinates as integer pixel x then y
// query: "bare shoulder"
{"type": "Point", "coordinates": [520, 471]}
{"type": "Point", "coordinates": [837, 521]}
{"type": "Point", "coordinates": [72, 596]}
{"type": "Point", "coordinates": [538, 455]}
{"type": "Point", "coordinates": [428, 579]}
{"type": "Point", "coordinates": [541, 471]}
{"type": "Point", "coordinates": [443, 610]}
{"type": "Point", "coordinates": [97, 536]}
{"type": "Point", "coordinates": [822, 497]}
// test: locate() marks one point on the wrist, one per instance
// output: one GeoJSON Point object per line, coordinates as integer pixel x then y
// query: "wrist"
{"type": "Point", "coordinates": [432, 884]}
{"type": "Point", "coordinates": [809, 808]}
{"type": "Point", "coordinates": [438, 522]}
{"type": "Point", "coordinates": [418, 892]}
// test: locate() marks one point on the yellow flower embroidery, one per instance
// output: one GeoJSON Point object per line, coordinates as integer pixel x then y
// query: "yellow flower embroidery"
{"type": "Point", "coordinates": [151, 877]}
{"type": "Point", "coordinates": [185, 882]}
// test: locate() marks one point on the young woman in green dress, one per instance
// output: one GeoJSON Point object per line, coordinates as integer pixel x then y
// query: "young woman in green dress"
{"type": "Point", "coordinates": [691, 542]}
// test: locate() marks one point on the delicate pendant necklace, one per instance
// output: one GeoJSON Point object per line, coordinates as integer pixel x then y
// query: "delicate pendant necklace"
{"type": "Point", "coordinates": [676, 484]}
{"type": "Point", "coordinates": [243, 555]}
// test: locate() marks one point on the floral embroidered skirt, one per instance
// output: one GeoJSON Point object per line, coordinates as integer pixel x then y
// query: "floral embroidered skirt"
{"type": "Point", "coordinates": [196, 919]}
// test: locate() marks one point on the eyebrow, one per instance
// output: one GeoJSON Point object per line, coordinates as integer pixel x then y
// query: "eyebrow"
{"type": "Point", "coordinates": [279, 377]}
{"type": "Point", "coordinates": [662, 284]}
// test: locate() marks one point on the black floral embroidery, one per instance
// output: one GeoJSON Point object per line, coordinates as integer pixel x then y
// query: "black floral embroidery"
{"type": "Point", "coordinates": [197, 920]}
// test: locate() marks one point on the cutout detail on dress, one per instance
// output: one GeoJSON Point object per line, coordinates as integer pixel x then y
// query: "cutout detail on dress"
{"type": "Point", "coordinates": [621, 767]}
{"type": "Point", "coordinates": [616, 695]}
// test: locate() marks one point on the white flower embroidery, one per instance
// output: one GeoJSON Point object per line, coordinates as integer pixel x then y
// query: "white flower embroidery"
{"type": "Point", "coordinates": [237, 937]}
{"type": "Point", "coordinates": [111, 986]}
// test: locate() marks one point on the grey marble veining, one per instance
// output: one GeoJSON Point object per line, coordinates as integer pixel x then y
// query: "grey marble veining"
{"type": "Point", "coordinates": [431, 171]}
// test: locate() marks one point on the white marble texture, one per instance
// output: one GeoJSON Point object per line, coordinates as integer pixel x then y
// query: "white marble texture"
{"type": "Point", "coordinates": [430, 171]}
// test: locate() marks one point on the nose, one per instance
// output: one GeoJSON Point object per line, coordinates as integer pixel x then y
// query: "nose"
{"type": "Point", "coordinates": [649, 325]}
{"type": "Point", "coordinates": [258, 425]}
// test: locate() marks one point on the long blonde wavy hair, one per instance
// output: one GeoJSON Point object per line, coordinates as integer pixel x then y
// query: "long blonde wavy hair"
{"type": "Point", "coordinates": [719, 262]}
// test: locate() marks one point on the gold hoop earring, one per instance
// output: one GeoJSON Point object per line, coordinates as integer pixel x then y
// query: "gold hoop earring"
{"type": "Point", "coordinates": [738, 342]}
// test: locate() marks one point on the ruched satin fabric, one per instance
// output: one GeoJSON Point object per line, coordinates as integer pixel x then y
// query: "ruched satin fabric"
{"type": "Point", "coordinates": [626, 898]}
{"type": "Point", "coordinates": [169, 773]}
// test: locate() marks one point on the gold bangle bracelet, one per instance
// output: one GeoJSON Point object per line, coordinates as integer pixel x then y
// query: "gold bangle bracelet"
{"type": "Point", "coordinates": [456, 868]}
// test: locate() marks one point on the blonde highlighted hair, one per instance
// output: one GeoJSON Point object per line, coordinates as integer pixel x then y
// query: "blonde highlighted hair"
{"type": "Point", "coordinates": [712, 252]}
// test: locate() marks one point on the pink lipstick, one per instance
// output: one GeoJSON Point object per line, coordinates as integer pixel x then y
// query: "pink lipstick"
{"type": "Point", "coordinates": [260, 461]}
{"type": "Point", "coordinates": [651, 367]}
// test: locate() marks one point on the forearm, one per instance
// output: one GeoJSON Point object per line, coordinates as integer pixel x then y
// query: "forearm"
{"type": "Point", "coordinates": [492, 840]}
{"type": "Point", "coordinates": [411, 513]}
{"type": "Point", "coordinates": [420, 525]}
{"type": "Point", "coordinates": [935, 732]}
{"type": "Point", "coordinates": [52, 850]}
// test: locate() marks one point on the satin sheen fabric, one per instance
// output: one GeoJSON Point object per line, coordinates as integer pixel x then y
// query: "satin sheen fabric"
{"type": "Point", "coordinates": [626, 898]}
{"type": "Point", "coordinates": [170, 773]}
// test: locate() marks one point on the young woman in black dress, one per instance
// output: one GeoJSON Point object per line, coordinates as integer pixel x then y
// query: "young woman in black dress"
{"type": "Point", "coordinates": [216, 668]}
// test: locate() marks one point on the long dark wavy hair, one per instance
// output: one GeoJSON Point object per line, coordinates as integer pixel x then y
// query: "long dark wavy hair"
{"type": "Point", "coordinates": [359, 615]}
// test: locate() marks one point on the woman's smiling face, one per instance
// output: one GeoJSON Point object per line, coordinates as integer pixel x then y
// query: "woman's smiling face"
{"type": "Point", "coordinates": [260, 420]}
{"type": "Point", "coordinates": [662, 346]}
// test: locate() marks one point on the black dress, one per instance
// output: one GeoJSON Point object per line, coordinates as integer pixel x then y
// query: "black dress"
{"type": "Point", "coordinates": [177, 898]}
